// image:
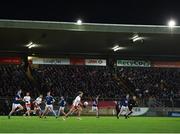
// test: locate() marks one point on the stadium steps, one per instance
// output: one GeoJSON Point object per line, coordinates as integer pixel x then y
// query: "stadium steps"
{"type": "Point", "coordinates": [29, 75]}
{"type": "Point", "coordinates": [123, 85]}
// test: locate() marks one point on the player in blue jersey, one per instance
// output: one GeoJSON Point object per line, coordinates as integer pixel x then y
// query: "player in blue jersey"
{"type": "Point", "coordinates": [49, 100]}
{"type": "Point", "coordinates": [62, 104]}
{"type": "Point", "coordinates": [95, 106]}
{"type": "Point", "coordinates": [16, 106]}
{"type": "Point", "coordinates": [132, 103]}
{"type": "Point", "coordinates": [124, 107]}
{"type": "Point", "coordinates": [117, 107]}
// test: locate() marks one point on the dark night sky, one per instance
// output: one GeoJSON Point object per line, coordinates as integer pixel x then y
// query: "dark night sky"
{"type": "Point", "coordinates": [99, 11]}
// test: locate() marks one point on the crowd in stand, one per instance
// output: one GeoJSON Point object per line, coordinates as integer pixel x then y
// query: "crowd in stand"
{"type": "Point", "coordinates": [68, 80]}
{"type": "Point", "coordinates": [92, 80]}
{"type": "Point", "coordinates": [146, 83]}
{"type": "Point", "coordinates": [157, 82]}
{"type": "Point", "coordinates": [12, 78]}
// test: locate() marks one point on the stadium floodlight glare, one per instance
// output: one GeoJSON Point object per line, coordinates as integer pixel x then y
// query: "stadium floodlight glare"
{"type": "Point", "coordinates": [172, 23]}
{"type": "Point", "coordinates": [79, 22]}
{"type": "Point", "coordinates": [31, 45]}
{"type": "Point", "coordinates": [117, 47]}
{"type": "Point", "coordinates": [136, 38]}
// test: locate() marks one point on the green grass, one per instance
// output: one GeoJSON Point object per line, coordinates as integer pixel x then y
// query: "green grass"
{"type": "Point", "coordinates": [90, 125]}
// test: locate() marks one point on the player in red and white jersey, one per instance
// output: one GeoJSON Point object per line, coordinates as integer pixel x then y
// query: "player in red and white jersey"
{"type": "Point", "coordinates": [37, 104]}
{"type": "Point", "coordinates": [27, 100]}
{"type": "Point", "coordinates": [76, 106]}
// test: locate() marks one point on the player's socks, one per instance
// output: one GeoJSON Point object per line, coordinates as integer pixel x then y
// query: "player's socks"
{"type": "Point", "coordinates": [130, 113]}
{"type": "Point", "coordinates": [125, 116]}
{"type": "Point", "coordinates": [63, 118]}
{"type": "Point", "coordinates": [9, 116]}
{"type": "Point", "coordinates": [54, 113]}
{"type": "Point", "coordinates": [66, 115]}
{"type": "Point", "coordinates": [117, 117]}
{"type": "Point", "coordinates": [24, 115]}
{"type": "Point", "coordinates": [40, 115]}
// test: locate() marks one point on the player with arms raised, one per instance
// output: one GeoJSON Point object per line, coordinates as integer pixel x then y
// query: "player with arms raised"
{"type": "Point", "coordinates": [16, 104]}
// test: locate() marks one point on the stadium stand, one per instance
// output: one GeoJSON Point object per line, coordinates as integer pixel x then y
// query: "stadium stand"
{"type": "Point", "coordinates": [68, 80]}
{"type": "Point", "coordinates": [158, 82]}
{"type": "Point", "coordinates": [152, 84]}
{"type": "Point", "coordinates": [12, 78]}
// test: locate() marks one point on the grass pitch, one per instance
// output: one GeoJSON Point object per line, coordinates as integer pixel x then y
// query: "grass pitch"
{"type": "Point", "coordinates": [90, 125]}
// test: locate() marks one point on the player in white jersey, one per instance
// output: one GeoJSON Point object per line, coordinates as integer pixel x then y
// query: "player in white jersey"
{"type": "Point", "coordinates": [27, 100]}
{"type": "Point", "coordinates": [76, 106]}
{"type": "Point", "coordinates": [37, 103]}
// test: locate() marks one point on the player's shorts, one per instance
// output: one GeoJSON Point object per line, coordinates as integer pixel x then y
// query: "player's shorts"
{"type": "Point", "coordinates": [117, 108]}
{"type": "Point", "coordinates": [14, 106]}
{"type": "Point", "coordinates": [124, 108]}
{"type": "Point", "coordinates": [76, 106]}
{"type": "Point", "coordinates": [37, 106]}
{"type": "Point", "coordinates": [130, 108]}
{"type": "Point", "coordinates": [61, 108]}
{"type": "Point", "coordinates": [28, 106]}
{"type": "Point", "coordinates": [49, 107]}
{"type": "Point", "coordinates": [94, 108]}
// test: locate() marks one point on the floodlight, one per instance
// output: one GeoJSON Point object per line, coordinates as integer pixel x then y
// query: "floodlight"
{"type": "Point", "coordinates": [79, 22]}
{"type": "Point", "coordinates": [172, 23]}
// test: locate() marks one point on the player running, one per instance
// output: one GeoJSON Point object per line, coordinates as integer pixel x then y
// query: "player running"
{"type": "Point", "coordinates": [95, 106]}
{"type": "Point", "coordinates": [124, 107]}
{"type": "Point", "coordinates": [27, 100]}
{"type": "Point", "coordinates": [76, 106]}
{"type": "Point", "coordinates": [37, 103]}
{"type": "Point", "coordinates": [16, 104]}
{"type": "Point", "coordinates": [62, 104]}
{"type": "Point", "coordinates": [132, 103]}
{"type": "Point", "coordinates": [49, 105]}
{"type": "Point", "coordinates": [117, 107]}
